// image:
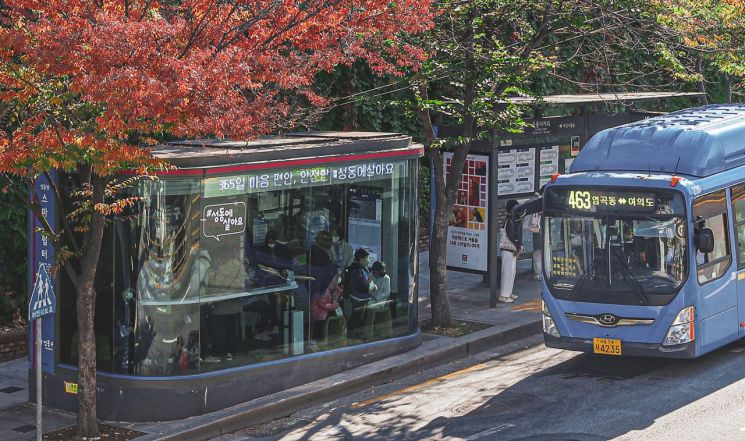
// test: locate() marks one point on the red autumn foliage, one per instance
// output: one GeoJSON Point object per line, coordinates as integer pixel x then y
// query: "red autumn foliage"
{"type": "Point", "coordinates": [94, 80]}
{"type": "Point", "coordinates": [84, 85]}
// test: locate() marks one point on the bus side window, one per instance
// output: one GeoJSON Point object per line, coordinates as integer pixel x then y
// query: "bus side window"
{"type": "Point", "coordinates": [710, 211]}
{"type": "Point", "coordinates": [738, 211]}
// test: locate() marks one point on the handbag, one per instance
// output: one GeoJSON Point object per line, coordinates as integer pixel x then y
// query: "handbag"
{"type": "Point", "coordinates": [504, 242]}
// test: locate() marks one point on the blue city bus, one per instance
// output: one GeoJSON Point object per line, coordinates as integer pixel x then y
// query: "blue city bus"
{"type": "Point", "coordinates": [644, 241]}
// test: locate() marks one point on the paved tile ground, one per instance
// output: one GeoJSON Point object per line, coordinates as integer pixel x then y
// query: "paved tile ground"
{"type": "Point", "coordinates": [469, 300]}
{"type": "Point", "coordinates": [17, 415]}
{"type": "Point", "coordinates": [469, 296]}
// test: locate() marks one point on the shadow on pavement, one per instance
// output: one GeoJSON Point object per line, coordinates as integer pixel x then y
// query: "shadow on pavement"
{"type": "Point", "coordinates": [585, 398]}
{"type": "Point", "coordinates": [593, 397]}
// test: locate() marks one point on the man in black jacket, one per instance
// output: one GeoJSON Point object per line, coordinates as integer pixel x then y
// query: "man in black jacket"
{"type": "Point", "coordinates": [358, 285]}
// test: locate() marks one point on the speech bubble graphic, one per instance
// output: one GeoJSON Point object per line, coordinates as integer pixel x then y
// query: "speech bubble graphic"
{"type": "Point", "coordinates": [223, 219]}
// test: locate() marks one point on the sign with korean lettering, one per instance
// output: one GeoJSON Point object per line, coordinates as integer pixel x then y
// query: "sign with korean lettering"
{"type": "Point", "coordinates": [43, 301]}
{"type": "Point", "coordinates": [592, 200]}
{"type": "Point", "coordinates": [43, 254]}
{"type": "Point", "coordinates": [602, 200]}
{"type": "Point", "coordinates": [302, 177]}
{"type": "Point", "coordinates": [224, 219]}
{"type": "Point", "coordinates": [468, 233]}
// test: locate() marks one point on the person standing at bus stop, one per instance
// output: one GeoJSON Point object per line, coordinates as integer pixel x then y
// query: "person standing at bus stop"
{"type": "Point", "coordinates": [534, 226]}
{"type": "Point", "coordinates": [510, 244]}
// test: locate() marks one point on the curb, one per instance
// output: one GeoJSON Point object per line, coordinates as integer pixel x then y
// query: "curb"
{"type": "Point", "coordinates": [285, 403]}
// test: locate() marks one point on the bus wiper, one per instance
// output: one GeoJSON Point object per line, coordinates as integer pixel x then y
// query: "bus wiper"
{"type": "Point", "coordinates": [580, 280]}
{"type": "Point", "coordinates": [634, 281]}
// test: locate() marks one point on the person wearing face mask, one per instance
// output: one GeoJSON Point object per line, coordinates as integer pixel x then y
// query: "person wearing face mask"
{"type": "Point", "coordinates": [383, 283]}
{"type": "Point", "coordinates": [358, 287]}
{"type": "Point", "coordinates": [341, 251]}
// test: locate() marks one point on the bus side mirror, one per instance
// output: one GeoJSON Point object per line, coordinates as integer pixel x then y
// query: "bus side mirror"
{"type": "Point", "coordinates": [704, 240]}
{"type": "Point", "coordinates": [527, 208]}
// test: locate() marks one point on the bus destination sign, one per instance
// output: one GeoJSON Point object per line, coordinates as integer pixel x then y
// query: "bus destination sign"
{"type": "Point", "coordinates": [593, 200]}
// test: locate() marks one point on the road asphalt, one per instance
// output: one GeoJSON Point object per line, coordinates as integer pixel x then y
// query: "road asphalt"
{"type": "Point", "coordinates": [538, 394]}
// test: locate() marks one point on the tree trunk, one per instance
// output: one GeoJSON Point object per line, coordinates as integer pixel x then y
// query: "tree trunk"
{"type": "Point", "coordinates": [727, 88]}
{"type": "Point", "coordinates": [702, 83]}
{"type": "Point", "coordinates": [86, 306]}
{"type": "Point", "coordinates": [438, 290]}
{"type": "Point", "coordinates": [349, 110]}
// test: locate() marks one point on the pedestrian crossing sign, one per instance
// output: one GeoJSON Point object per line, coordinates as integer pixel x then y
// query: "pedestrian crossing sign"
{"type": "Point", "coordinates": [43, 301]}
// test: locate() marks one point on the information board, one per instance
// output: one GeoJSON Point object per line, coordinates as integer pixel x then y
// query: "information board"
{"type": "Point", "coordinates": [516, 172]}
{"type": "Point", "coordinates": [467, 239]}
{"type": "Point", "coordinates": [549, 164]}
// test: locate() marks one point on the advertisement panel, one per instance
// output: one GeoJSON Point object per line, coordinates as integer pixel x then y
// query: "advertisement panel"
{"type": "Point", "coordinates": [467, 246]}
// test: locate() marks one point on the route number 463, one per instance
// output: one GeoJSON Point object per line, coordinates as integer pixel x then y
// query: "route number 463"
{"type": "Point", "coordinates": [580, 200]}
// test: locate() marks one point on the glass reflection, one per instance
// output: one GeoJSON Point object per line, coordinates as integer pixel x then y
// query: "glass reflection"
{"type": "Point", "coordinates": [219, 275]}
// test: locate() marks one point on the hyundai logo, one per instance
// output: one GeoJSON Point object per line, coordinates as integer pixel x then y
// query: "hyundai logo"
{"type": "Point", "coordinates": [607, 319]}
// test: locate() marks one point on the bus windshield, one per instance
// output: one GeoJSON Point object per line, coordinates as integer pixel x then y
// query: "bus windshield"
{"type": "Point", "coordinates": [615, 256]}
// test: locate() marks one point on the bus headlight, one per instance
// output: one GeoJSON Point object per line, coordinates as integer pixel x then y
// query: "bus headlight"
{"type": "Point", "coordinates": [549, 326]}
{"type": "Point", "coordinates": [682, 329]}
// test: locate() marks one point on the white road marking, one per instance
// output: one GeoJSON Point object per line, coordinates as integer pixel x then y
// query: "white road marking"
{"type": "Point", "coordinates": [488, 432]}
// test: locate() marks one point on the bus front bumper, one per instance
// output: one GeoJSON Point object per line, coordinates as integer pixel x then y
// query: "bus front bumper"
{"type": "Point", "coordinates": [632, 349]}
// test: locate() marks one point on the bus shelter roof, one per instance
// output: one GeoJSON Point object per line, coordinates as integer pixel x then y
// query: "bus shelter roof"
{"type": "Point", "coordinates": [601, 98]}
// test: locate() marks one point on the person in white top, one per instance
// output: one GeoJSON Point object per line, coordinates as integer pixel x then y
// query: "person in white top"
{"type": "Point", "coordinates": [382, 282]}
{"type": "Point", "coordinates": [534, 226]}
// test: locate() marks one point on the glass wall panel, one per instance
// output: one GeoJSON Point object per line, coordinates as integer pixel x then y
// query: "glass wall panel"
{"type": "Point", "coordinates": [232, 270]}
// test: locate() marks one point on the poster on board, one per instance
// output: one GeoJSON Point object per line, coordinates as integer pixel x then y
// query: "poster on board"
{"type": "Point", "coordinates": [549, 163]}
{"type": "Point", "coordinates": [516, 171]}
{"type": "Point", "coordinates": [467, 239]}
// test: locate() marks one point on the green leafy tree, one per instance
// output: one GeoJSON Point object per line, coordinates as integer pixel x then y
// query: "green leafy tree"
{"type": "Point", "coordinates": [707, 43]}
{"type": "Point", "coordinates": [484, 50]}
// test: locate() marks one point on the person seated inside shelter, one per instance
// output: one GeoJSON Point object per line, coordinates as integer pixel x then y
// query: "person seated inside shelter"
{"type": "Point", "coordinates": [274, 253]}
{"type": "Point", "coordinates": [382, 281]}
{"type": "Point", "coordinates": [322, 266]}
{"type": "Point", "coordinates": [358, 286]}
{"type": "Point", "coordinates": [342, 253]}
{"type": "Point", "coordinates": [321, 305]}
{"type": "Point", "coordinates": [278, 261]}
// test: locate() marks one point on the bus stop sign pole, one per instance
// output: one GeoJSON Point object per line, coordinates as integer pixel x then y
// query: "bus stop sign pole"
{"type": "Point", "coordinates": [43, 302]}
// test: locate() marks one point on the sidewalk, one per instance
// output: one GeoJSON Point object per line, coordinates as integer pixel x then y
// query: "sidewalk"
{"type": "Point", "coordinates": [17, 415]}
{"type": "Point", "coordinates": [469, 300]}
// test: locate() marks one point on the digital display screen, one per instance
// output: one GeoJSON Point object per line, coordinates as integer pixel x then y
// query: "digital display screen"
{"type": "Point", "coordinates": [301, 178]}
{"type": "Point", "coordinates": [594, 200]}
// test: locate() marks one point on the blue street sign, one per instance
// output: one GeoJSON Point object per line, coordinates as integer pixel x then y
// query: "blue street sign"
{"type": "Point", "coordinates": [43, 301]}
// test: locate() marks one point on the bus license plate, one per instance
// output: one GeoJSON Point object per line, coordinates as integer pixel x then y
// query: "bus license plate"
{"type": "Point", "coordinates": [608, 346]}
